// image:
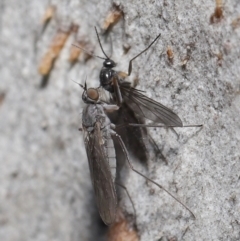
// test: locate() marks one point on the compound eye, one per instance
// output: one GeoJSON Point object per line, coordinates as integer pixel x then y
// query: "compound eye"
{"type": "Point", "coordinates": [92, 94]}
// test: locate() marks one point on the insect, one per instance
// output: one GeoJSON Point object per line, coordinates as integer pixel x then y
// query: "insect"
{"type": "Point", "coordinates": [134, 107]}
{"type": "Point", "coordinates": [121, 91]}
{"type": "Point", "coordinates": [101, 154]}
{"type": "Point", "coordinates": [99, 138]}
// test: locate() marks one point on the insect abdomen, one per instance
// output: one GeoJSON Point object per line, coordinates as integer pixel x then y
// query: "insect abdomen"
{"type": "Point", "coordinates": [111, 154]}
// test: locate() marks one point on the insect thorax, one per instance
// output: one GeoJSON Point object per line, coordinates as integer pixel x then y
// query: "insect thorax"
{"type": "Point", "coordinates": [93, 113]}
{"type": "Point", "coordinates": [106, 76]}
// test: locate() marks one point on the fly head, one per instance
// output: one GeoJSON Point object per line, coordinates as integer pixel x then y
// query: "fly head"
{"type": "Point", "coordinates": [90, 96]}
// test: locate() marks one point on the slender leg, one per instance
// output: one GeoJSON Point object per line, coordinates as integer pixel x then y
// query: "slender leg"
{"type": "Point", "coordinates": [134, 210]}
{"type": "Point", "coordinates": [130, 62]}
{"type": "Point", "coordinates": [156, 149]}
{"type": "Point", "coordinates": [117, 91]}
{"type": "Point", "coordinates": [150, 180]}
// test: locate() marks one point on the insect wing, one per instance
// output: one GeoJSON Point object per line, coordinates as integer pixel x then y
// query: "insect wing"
{"type": "Point", "coordinates": [134, 138]}
{"type": "Point", "coordinates": [147, 107]}
{"type": "Point", "coordinates": [102, 180]}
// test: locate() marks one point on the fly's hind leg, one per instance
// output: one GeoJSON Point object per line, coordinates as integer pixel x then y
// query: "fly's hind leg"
{"type": "Point", "coordinates": [156, 149]}
{"type": "Point", "coordinates": [125, 189]}
{"type": "Point", "coordinates": [115, 135]}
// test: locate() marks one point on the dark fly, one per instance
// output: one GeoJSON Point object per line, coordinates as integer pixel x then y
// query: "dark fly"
{"type": "Point", "coordinates": [99, 139]}
{"type": "Point", "coordinates": [134, 107]}
{"type": "Point", "coordinates": [122, 91]}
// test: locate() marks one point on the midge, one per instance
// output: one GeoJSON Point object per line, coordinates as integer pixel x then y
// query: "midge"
{"type": "Point", "coordinates": [99, 138]}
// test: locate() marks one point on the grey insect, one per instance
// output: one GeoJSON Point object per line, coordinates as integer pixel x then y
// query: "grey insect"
{"type": "Point", "coordinates": [99, 138]}
{"type": "Point", "coordinates": [98, 132]}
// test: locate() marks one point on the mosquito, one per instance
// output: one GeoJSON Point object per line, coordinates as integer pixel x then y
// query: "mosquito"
{"type": "Point", "coordinates": [99, 138]}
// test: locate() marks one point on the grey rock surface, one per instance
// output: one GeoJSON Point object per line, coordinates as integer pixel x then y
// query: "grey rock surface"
{"type": "Point", "coordinates": [46, 192]}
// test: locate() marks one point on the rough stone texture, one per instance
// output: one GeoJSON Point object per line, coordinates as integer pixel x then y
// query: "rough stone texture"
{"type": "Point", "coordinates": [45, 191]}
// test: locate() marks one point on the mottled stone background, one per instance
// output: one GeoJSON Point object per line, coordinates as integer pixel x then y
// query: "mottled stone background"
{"type": "Point", "coordinates": [45, 188]}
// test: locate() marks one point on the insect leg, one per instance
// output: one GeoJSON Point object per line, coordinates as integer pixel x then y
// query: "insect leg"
{"type": "Point", "coordinates": [134, 210]}
{"type": "Point", "coordinates": [117, 91]}
{"type": "Point", "coordinates": [150, 180]}
{"type": "Point", "coordinates": [110, 108]}
{"type": "Point", "coordinates": [130, 62]}
{"type": "Point", "coordinates": [156, 149]}
{"type": "Point", "coordinates": [164, 126]}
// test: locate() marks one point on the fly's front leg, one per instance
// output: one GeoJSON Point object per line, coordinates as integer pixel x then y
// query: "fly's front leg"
{"type": "Point", "coordinates": [117, 91]}
{"type": "Point", "coordinates": [110, 108]}
{"type": "Point", "coordinates": [113, 127]}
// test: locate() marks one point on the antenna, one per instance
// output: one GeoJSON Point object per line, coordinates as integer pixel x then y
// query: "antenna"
{"type": "Point", "coordinates": [100, 43]}
{"type": "Point", "coordinates": [85, 84]}
{"type": "Point", "coordinates": [90, 53]}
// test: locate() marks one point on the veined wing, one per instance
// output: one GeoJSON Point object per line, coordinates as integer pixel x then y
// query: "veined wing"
{"type": "Point", "coordinates": [147, 107]}
{"type": "Point", "coordinates": [135, 139]}
{"type": "Point", "coordinates": [102, 180]}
